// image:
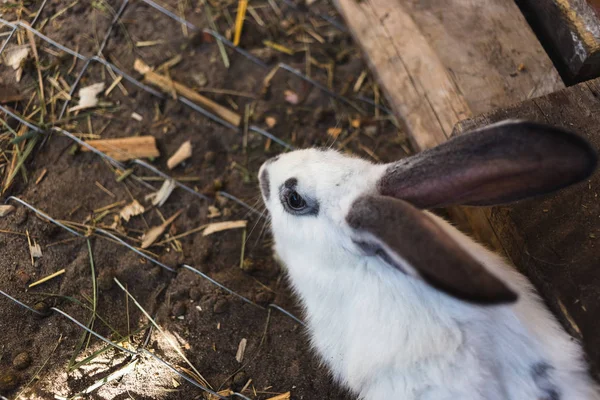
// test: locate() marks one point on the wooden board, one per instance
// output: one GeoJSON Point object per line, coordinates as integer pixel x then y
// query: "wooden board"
{"type": "Point", "coordinates": [555, 240]}
{"type": "Point", "coordinates": [439, 62]}
{"type": "Point", "coordinates": [572, 29]}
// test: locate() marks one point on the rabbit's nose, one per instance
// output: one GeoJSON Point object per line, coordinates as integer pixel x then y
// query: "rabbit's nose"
{"type": "Point", "coordinates": [265, 185]}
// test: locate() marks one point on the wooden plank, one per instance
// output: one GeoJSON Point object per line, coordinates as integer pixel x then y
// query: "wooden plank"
{"type": "Point", "coordinates": [376, 25]}
{"type": "Point", "coordinates": [439, 62]}
{"type": "Point", "coordinates": [572, 29]}
{"type": "Point", "coordinates": [555, 239]}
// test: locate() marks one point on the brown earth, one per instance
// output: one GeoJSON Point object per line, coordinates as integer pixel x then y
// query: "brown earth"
{"type": "Point", "coordinates": [207, 322]}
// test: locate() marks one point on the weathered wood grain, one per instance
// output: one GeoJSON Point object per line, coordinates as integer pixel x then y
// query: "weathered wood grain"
{"type": "Point", "coordinates": [555, 239]}
{"type": "Point", "coordinates": [439, 62]}
{"type": "Point", "coordinates": [572, 28]}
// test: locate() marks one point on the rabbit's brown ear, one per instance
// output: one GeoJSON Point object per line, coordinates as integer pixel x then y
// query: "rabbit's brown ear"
{"type": "Point", "coordinates": [409, 239]}
{"type": "Point", "coordinates": [498, 164]}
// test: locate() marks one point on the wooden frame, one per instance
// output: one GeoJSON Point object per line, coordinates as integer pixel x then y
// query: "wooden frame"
{"type": "Point", "coordinates": [572, 29]}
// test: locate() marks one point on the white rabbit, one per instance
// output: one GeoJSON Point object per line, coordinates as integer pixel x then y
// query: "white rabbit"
{"type": "Point", "coordinates": [399, 303]}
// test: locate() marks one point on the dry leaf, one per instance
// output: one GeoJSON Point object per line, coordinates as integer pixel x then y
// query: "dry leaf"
{"type": "Point", "coordinates": [291, 97]}
{"type": "Point", "coordinates": [88, 96]}
{"type": "Point", "coordinates": [213, 212]}
{"type": "Point", "coordinates": [223, 226]}
{"type": "Point", "coordinates": [154, 233]}
{"type": "Point", "coordinates": [131, 210]}
{"type": "Point", "coordinates": [334, 132]}
{"type": "Point", "coordinates": [183, 153]}
{"type": "Point", "coordinates": [15, 56]}
{"type": "Point", "coordinates": [35, 250]}
{"type": "Point", "coordinates": [224, 393]}
{"type": "Point", "coordinates": [159, 198]}
{"type": "Point", "coordinates": [283, 396]}
{"type": "Point", "coordinates": [239, 356]}
{"type": "Point", "coordinates": [6, 210]}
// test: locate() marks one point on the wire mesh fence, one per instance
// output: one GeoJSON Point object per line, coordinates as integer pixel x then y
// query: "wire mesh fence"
{"type": "Point", "coordinates": [89, 61]}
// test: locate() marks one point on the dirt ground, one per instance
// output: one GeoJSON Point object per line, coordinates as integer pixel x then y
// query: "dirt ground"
{"type": "Point", "coordinates": [206, 322]}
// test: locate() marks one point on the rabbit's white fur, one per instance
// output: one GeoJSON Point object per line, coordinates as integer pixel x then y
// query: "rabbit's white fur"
{"type": "Point", "coordinates": [386, 335]}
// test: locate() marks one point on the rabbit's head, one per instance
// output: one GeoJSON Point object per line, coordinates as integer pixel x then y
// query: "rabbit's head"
{"type": "Point", "coordinates": [322, 202]}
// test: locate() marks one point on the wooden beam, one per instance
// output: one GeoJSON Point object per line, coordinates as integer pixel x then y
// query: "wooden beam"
{"type": "Point", "coordinates": [555, 240]}
{"type": "Point", "coordinates": [572, 30]}
{"type": "Point", "coordinates": [439, 62]}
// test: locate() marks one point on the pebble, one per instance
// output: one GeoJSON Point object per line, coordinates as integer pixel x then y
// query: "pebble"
{"type": "Point", "coordinates": [155, 272]}
{"type": "Point", "coordinates": [21, 216]}
{"type": "Point", "coordinates": [23, 277]}
{"type": "Point", "coordinates": [21, 361]}
{"type": "Point", "coordinates": [8, 381]}
{"type": "Point", "coordinates": [217, 184]}
{"type": "Point", "coordinates": [106, 279]}
{"type": "Point", "coordinates": [248, 265]}
{"type": "Point", "coordinates": [210, 157]}
{"type": "Point", "coordinates": [178, 294]}
{"type": "Point", "coordinates": [42, 307]}
{"type": "Point", "coordinates": [200, 78]}
{"type": "Point", "coordinates": [179, 309]}
{"type": "Point", "coordinates": [264, 298]}
{"type": "Point", "coordinates": [239, 380]}
{"type": "Point", "coordinates": [195, 293]}
{"type": "Point", "coordinates": [208, 301]}
{"type": "Point", "coordinates": [265, 54]}
{"type": "Point", "coordinates": [221, 306]}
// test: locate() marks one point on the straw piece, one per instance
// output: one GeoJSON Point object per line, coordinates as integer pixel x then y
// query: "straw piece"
{"type": "Point", "coordinates": [168, 86]}
{"type": "Point", "coordinates": [154, 233]}
{"type": "Point", "coordinates": [47, 278]}
{"type": "Point", "coordinates": [125, 149]}
{"type": "Point", "coordinates": [223, 226]}
{"type": "Point", "coordinates": [183, 153]}
{"type": "Point", "coordinates": [6, 210]}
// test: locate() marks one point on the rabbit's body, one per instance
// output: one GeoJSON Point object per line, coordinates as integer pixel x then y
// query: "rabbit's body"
{"type": "Point", "coordinates": [374, 270]}
{"type": "Point", "coordinates": [412, 342]}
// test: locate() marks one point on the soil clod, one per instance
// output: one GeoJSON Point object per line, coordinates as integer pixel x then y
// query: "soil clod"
{"type": "Point", "coordinates": [221, 306]}
{"type": "Point", "coordinates": [21, 361]}
{"type": "Point", "coordinates": [8, 381]}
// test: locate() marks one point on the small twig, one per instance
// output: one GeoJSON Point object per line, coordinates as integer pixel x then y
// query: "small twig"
{"type": "Point", "coordinates": [47, 278]}
{"type": "Point", "coordinates": [239, 21]}
{"type": "Point", "coordinates": [166, 84]}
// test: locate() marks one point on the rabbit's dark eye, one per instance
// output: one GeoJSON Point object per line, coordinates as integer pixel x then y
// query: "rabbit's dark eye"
{"type": "Point", "coordinates": [295, 201]}
{"type": "Point", "coordinates": [295, 204]}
